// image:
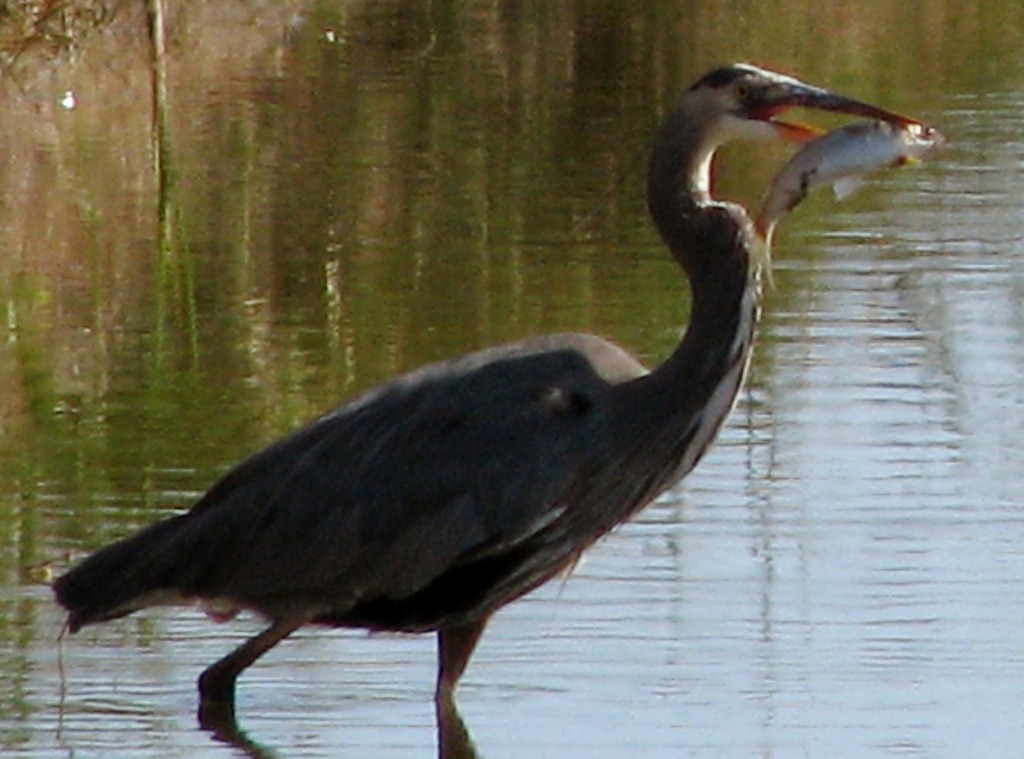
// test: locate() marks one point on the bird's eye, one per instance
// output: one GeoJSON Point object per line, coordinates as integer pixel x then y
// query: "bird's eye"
{"type": "Point", "coordinates": [742, 90]}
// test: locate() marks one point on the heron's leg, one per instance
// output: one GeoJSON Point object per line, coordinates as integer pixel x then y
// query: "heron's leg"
{"type": "Point", "coordinates": [453, 738]}
{"type": "Point", "coordinates": [217, 683]}
{"type": "Point", "coordinates": [454, 647]}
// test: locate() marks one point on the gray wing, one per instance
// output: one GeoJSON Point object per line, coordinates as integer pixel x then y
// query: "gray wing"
{"type": "Point", "coordinates": [381, 497]}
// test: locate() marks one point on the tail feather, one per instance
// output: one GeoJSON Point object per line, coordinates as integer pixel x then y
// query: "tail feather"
{"type": "Point", "coordinates": [123, 577]}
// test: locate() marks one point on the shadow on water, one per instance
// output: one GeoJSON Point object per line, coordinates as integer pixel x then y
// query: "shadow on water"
{"type": "Point", "coordinates": [453, 738]}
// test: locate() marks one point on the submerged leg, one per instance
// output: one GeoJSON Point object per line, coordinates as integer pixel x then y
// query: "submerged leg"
{"type": "Point", "coordinates": [454, 647]}
{"type": "Point", "coordinates": [453, 739]}
{"type": "Point", "coordinates": [217, 683]}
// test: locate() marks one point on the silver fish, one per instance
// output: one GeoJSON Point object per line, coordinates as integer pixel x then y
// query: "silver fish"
{"type": "Point", "coordinates": [842, 157]}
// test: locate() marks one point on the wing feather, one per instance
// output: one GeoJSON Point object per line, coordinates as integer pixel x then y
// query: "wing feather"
{"type": "Point", "coordinates": [380, 497]}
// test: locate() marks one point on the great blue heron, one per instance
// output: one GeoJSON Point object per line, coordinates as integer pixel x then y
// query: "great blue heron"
{"type": "Point", "coordinates": [431, 501]}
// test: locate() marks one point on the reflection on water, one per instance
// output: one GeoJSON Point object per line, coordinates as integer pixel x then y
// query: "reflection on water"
{"type": "Point", "coordinates": [359, 188]}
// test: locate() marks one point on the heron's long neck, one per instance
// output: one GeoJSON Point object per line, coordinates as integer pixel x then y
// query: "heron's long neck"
{"type": "Point", "coordinates": [674, 413]}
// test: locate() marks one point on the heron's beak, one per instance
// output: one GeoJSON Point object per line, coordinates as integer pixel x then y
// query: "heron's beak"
{"type": "Point", "coordinates": [805, 96]}
{"type": "Point", "coordinates": [789, 93]}
{"type": "Point", "coordinates": [792, 131]}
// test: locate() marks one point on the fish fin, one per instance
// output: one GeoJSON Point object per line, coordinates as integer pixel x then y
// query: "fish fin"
{"type": "Point", "coordinates": [844, 187]}
{"type": "Point", "coordinates": [761, 256]}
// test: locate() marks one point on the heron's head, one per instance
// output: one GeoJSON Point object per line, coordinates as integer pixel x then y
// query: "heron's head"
{"type": "Point", "coordinates": [737, 102]}
{"type": "Point", "coordinates": [743, 102]}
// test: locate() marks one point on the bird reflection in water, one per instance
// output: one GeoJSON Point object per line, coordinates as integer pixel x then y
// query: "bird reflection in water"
{"type": "Point", "coordinates": [432, 501]}
{"type": "Point", "coordinates": [453, 738]}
